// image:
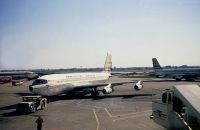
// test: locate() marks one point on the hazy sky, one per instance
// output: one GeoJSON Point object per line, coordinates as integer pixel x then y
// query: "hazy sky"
{"type": "Point", "coordinates": [74, 33]}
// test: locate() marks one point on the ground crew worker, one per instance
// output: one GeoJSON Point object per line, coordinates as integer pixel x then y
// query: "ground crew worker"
{"type": "Point", "coordinates": [39, 122]}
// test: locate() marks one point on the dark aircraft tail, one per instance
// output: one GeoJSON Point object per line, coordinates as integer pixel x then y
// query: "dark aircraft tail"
{"type": "Point", "coordinates": [156, 64]}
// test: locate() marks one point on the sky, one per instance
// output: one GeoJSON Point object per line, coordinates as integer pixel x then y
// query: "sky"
{"type": "Point", "coordinates": [53, 34]}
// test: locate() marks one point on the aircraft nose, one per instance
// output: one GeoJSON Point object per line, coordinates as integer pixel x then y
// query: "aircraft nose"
{"type": "Point", "coordinates": [30, 88]}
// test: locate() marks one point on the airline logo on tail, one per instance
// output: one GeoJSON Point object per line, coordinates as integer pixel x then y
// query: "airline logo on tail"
{"type": "Point", "coordinates": [108, 63]}
{"type": "Point", "coordinates": [156, 64]}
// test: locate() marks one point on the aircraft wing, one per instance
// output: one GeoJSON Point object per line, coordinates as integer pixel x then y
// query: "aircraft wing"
{"type": "Point", "coordinates": [158, 80]}
{"type": "Point", "coordinates": [105, 88]}
{"type": "Point", "coordinates": [121, 73]}
{"type": "Point", "coordinates": [137, 84]}
{"type": "Point", "coordinates": [102, 85]}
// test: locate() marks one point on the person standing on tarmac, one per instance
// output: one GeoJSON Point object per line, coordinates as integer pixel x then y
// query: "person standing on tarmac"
{"type": "Point", "coordinates": [39, 122]}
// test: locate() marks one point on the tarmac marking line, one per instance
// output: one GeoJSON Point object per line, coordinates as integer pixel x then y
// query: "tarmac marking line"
{"type": "Point", "coordinates": [72, 101]}
{"type": "Point", "coordinates": [142, 102]}
{"type": "Point", "coordinates": [97, 120]}
{"type": "Point", "coordinates": [88, 107]}
{"type": "Point", "coordinates": [109, 114]}
{"type": "Point", "coordinates": [82, 107]}
{"type": "Point", "coordinates": [130, 117]}
{"type": "Point", "coordinates": [133, 113]}
{"type": "Point", "coordinates": [92, 106]}
{"type": "Point", "coordinates": [80, 101]}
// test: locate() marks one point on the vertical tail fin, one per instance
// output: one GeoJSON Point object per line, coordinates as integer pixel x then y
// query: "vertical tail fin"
{"type": "Point", "coordinates": [108, 63]}
{"type": "Point", "coordinates": [156, 64]}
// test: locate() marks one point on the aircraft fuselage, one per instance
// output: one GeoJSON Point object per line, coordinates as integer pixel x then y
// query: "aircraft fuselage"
{"type": "Point", "coordinates": [56, 84]}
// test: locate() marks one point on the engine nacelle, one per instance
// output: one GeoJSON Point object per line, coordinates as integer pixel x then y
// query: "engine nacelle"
{"type": "Point", "coordinates": [138, 85]}
{"type": "Point", "coordinates": [108, 89]}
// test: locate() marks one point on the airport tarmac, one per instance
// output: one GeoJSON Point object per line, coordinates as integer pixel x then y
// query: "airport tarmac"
{"type": "Point", "coordinates": [124, 109]}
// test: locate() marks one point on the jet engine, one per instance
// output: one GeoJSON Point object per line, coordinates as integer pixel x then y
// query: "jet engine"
{"type": "Point", "coordinates": [138, 85]}
{"type": "Point", "coordinates": [108, 89]}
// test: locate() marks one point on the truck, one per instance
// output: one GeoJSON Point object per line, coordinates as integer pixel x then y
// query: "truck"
{"type": "Point", "coordinates": [17, 82]}
{"type": "Point", "coordinates": [177, 108]}
{"type": "Point", "coordinates": [31, 104]}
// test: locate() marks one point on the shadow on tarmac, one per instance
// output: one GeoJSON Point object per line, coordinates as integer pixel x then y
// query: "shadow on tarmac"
{"type": "Point", "coordinates": [14, 113]}
{"type": "Point", "coordinates": [70, 97]}
{"type": "Point", "coordinates": [24, 94]}
{"type": "Point", "coordinates": [8, 107]}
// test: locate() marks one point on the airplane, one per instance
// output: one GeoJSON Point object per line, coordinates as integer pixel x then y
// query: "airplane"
{"type": "Point", "coordinates": [72, 83]}
{"type": "Point", "coordinates": [176, 73]}
{"type": "Point", "coordinates": [16, 75]}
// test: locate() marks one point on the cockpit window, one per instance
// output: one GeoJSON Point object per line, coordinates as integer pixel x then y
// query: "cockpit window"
{"type": "Point", "coordinates": [39, 81]}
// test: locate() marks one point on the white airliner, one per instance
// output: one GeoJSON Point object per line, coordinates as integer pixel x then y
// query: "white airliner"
{"type": "Point", "coordinates": [56, 84]}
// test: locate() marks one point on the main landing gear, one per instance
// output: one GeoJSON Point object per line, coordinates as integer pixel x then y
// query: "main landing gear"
{"type": "Point", "coordinates": [94, 92]}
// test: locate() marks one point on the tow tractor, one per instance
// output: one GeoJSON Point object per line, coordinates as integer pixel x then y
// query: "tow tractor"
{"type": "Point", "coordinates": [31, 104]}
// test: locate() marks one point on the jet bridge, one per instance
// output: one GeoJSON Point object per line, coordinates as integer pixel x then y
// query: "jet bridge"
{"type": "Point", "coordinates": [178, 107]}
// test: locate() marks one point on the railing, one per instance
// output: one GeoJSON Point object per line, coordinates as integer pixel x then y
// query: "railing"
{"type": "Point", "coordinates": [183, 122]}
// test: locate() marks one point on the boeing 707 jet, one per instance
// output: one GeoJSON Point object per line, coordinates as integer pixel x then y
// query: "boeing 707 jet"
{"type": "Point", "coordinates": [176, 73]}
{"type": "Point", "coordinates": [56, 84]}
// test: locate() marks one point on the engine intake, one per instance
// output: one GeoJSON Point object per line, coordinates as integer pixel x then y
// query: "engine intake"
{"type": "Point", "coordinates": [107, 90]}
{"type": "Point", "coordinates": [138, 85]}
